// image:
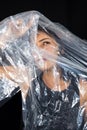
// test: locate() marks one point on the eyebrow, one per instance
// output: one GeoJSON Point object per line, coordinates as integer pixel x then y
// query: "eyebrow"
{"type": "Point", "coordinates": [43, 39]}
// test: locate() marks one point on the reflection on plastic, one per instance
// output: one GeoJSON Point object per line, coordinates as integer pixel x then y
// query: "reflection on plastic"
{"type": "Point", "coordinates": [49, 64]}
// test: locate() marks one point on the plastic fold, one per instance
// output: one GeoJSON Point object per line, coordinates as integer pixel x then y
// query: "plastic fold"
{"type": "Point", "coordinates": [48, 64]}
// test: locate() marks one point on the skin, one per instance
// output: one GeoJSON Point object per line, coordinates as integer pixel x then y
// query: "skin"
{"type": "Point", "coordinates": [47, 43]}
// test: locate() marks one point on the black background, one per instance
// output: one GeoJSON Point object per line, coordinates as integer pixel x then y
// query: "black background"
{"type": "Point", "coordinates": [71, 13]}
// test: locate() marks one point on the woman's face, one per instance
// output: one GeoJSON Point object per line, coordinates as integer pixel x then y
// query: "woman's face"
{"type": "Point", "coordinates": [48, 49]}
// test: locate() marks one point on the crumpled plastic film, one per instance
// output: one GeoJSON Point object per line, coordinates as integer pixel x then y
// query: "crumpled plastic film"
{"type": "Point", "coordinates": [48, 64]}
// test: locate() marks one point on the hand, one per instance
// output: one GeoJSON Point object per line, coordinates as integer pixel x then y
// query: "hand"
{"type": "Point", "coordinates": [15, 29]}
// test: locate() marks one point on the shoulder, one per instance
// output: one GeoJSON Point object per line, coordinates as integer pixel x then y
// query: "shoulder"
{"type": "Point", "coordinates": [83, 90]}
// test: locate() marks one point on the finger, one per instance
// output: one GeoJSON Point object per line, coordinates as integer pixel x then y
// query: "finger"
{"type": "Point", "coordinates": [30, 24]}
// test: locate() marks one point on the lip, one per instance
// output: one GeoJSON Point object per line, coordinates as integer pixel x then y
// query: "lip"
{"type": "Point", "coordinates": [44, 59]}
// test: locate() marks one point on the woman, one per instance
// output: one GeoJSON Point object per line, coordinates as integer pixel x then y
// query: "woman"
{"type": "Point", "coordinates": [55, 98]}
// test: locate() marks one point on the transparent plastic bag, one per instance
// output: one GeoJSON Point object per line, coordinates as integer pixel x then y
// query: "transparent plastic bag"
{"type": "Point", "coordinates": [49, 64]}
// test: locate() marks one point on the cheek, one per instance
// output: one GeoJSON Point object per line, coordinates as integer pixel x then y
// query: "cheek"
{"type": "Point", "coordinates": [51, 49]}
{"type": "Point", "coordinates": [45, 65]}
{"type": "Point", "coordinates": [44, 62]}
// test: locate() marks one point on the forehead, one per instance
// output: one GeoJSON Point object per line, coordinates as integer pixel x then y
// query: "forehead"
{"type": "Point", "coordinates": [42, 35]}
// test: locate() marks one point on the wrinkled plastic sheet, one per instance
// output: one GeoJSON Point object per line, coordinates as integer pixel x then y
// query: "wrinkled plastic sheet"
{"type": "Point", "coordinates": [51, 73]}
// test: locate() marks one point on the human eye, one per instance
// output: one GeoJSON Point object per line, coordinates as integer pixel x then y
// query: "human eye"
{"type": "Point", "coordinates": [46, 43]}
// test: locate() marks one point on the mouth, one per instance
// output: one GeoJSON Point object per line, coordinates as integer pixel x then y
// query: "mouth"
{"type": "Point", "coordinates": [41, 59]}
{"type": "Point", "coordinates": [44, 59]}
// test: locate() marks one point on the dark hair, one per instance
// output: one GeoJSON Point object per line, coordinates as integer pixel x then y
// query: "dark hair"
{"type": "Point", "coordinates": [51, 34]}
{"type": "Point", "coordinates": [48, 31]}
{"type": "Point", "coordinates": [65, 51]}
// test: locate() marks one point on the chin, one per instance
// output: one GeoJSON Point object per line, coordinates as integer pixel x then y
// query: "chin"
{"type": "Point", "coordinates": [45, 68]}
{"type": "Point", "coordinates": [46, 65]}
{"type": "Point", "coordinates": [42, 68]}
